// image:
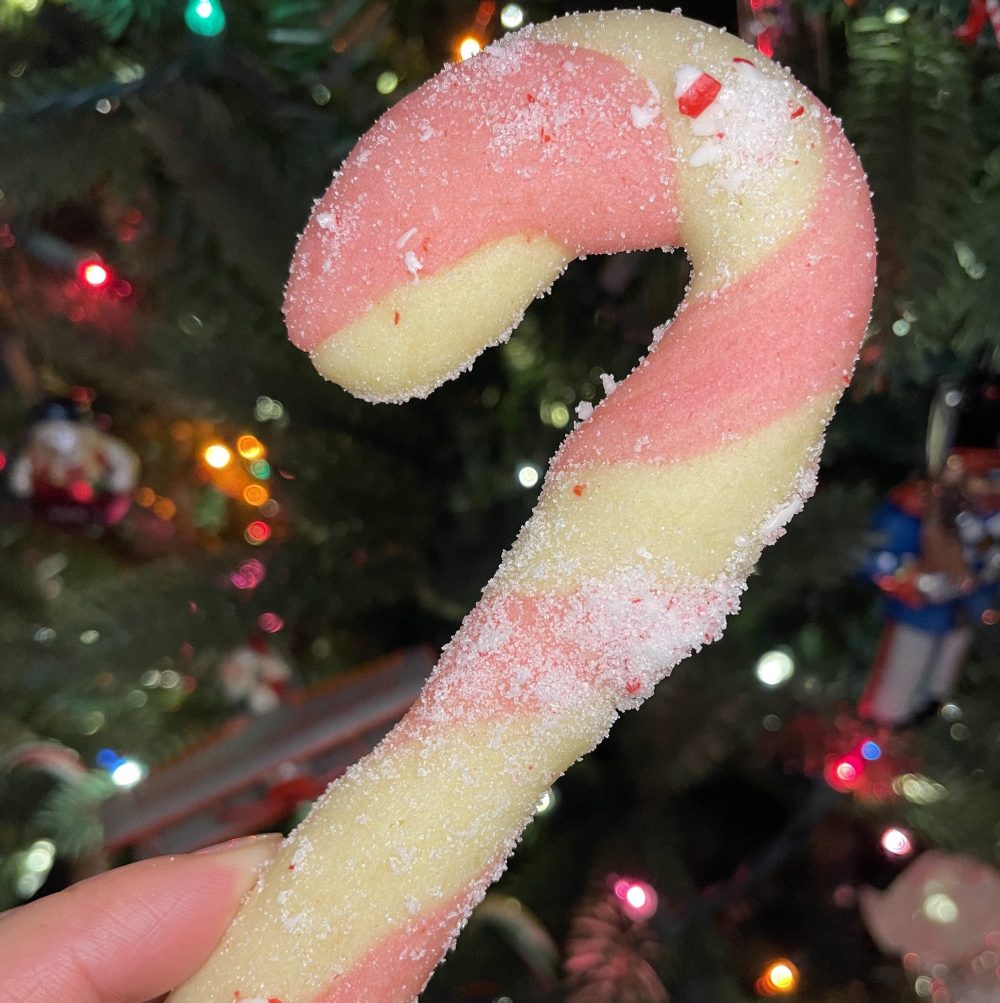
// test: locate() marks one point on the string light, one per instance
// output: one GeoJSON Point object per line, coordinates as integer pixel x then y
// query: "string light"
{"type": "Point", "coordinates": [94, 273]}
{"type": "Point", "coordinates": [205, 17]}
{"type": "Point", "coordinates": [780, 978]}
{"type": "Point", "coordinates": [844, 773]}
{"type": "Point", "coordinates": [897, 842]}
{"type": "Point", "coordinates": [249, 447]}
{"type": "Point", "coordinates": [468, 46]}
{"type": "Point", "coordinates": [637, 898]}
{"type": "Point", "coordinates": [255, 494]}
{"type": "Point", "coordinates": [217, 455]}
{"type": "Point", "coordinates": [775, 667]}
{"type": "Point", "coordinates": [257, 532]}
{"type": "Point", "coordinates": [512, 16]}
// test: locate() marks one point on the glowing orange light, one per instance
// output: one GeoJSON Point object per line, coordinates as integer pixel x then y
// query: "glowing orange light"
{"type": "Point", "coordinates": [93, 273]}
{"type": "Point", "coordinates": [778, 979]}
{"type": "Point", "coordinates": [255, 494]}
{"type": "Point", "coordinates": [165, 508]}
{"type": "Point", "coordinates": [217, 455]}
{"type": "Point", "coordinates": [249, 447]}
{"type": "Point", "coordinates": [257, 532]}
{"type": "Point", "coordinates": [468, 46]}
{"type": "Point", "coordinates": [145, 497]}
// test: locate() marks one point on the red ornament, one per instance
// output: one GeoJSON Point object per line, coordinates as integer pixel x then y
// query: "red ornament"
{"type": "Point", "coordinates": [972, 27]}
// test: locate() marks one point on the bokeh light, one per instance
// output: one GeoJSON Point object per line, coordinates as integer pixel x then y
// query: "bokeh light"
{"type": "Point", "coordinates": [527, 474]}
{"type": "Point", "coordinates": [512, 16]}
{"type": "Point", "coordinates": [468, 47]}
{"type": "Point", "coordinates": [249, 447]}
{"type": "Point", "coordinates": [780, 978]}
{"type": "Point", "coordinates": [775, 667]}
{"type": "Point", "coordinates": [217, 456]}
{"type": "Point", "coordinates": [638, 899]}
{"type": "Point", "coordinates": [897, 842]}
{"type": "Point", "coordinates": [94, 273]}
{"type": "Point", "coordinates": [257, 532]}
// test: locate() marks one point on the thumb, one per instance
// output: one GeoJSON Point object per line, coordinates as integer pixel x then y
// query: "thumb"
{"type": "Point", "coordinates": [129, 934]}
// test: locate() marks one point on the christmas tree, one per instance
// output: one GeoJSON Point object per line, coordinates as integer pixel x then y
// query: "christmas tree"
{"type": "Point", "coordinates": [198, 536]}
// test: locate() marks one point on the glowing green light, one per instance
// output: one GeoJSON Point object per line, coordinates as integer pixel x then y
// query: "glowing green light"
{"type": "Point", "coordinates": [205, 17]}
{"type": "Point", "coordinates": [261, 469]}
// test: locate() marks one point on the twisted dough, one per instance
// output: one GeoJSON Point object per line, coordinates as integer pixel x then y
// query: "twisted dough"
{"type": "Point", "coordinates": [593, 133]}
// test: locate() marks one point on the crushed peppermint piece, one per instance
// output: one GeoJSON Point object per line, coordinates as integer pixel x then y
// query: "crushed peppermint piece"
{"type": "Point", "coordinates": [413, 264]}
{"type": "Point", "coordinates": [401, 243]}
{"type": "Point", "coordinates": [584, 410]}
{"type": "Point", "coordinates": [695, 95]}
{"type": "Point", "coordinates": [643, 116]}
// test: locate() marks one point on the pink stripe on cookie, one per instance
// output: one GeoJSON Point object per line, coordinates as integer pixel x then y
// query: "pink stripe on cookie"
{"type": "Point", "coordinates": [735, 360]}
{"type": "Point", "coordinates": [505, 143]}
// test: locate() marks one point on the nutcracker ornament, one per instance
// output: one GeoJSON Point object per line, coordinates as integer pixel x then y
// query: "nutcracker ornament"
{"type": "Point", "coordinates": [936, 558]}
{"type": "Point", "coordinates": [73, 474]}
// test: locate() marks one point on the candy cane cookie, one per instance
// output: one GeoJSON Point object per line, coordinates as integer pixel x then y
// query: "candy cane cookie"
{"type": "Point", "coordinates": [591, 133]}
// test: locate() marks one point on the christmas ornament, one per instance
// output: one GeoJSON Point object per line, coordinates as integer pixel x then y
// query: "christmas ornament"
{"type": "Point", "coordinates": [253, 771]}
{"type": "Point", "coordinates": [256, 675]}
{"type": "Point", "coordinates": [979, 12]}
{"type": "Point", "coordinates": [936, 558]}
{"type": "Point", "coordinates": [942, 915]}
{"type": "Point", "coordinates": [73, 474]}
{"type": "Point", "coordinates": [610, 954]}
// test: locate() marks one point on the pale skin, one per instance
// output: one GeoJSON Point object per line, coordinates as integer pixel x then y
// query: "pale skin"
{"type": "Point", "coordinates": [131, 934]}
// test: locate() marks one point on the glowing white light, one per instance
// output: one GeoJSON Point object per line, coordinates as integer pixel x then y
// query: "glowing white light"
{"type": "Point", "coordinates": [38, 859]}
{"type": "Point", "coordinates": [512, 15]}
{"type": "Point", "coordinates": [546, 802]}
{"type": "Point", "coordinates": [897, 842]}
{"type": "Point", "coordinates": [527, 474]}
{"type": "Point", "coordinates": [940, 908]}
{"type": "Point", "coordinates": [468, 47]}
{"type": "Point", "coordinates": [775, 667]}
{"type": "Point", "coordinates": [897, 15]}
{"type": "Point", "coordinates": [387, 82]}
{"type": "Point", "coordinates": [128, 773]}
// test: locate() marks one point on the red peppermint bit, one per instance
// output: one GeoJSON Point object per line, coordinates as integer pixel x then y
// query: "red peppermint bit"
{"type": "Point", "coordinates": [531, 99]}
{"type": "Point", "coordinates": [741, 59]}
{"type": "Point", "coordinates": [546, 138]}
{"type": "Point", "coordinates": [291, 867]}
{"type": "Point", "coordinates": [797, 112]}
{"type": "Point", "coordinates": [395, 316]}
{"type": "Point", "coordinates": [578, 489]}
{"type": "Point", "coordinates": [699, 95]}
{"type": "Point", "coordinates": [273, 999]}
{"type": "Point", "coordinates": [635, 602]}
{"type": "Point", "coordinates": [425, 244]}
{"type": "Point", "coordinates": [633, 686]}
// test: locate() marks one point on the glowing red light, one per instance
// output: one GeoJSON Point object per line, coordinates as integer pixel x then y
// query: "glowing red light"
{"type": "Point", "coordinates": [845, 774]}
{"type": "Point", "coordinates": [638, 899]}
{"type": "Point", "coordinates": [94, 273]}
{"type": "Point", "coordinates": [258, 531]}
{"type": "Point", "coordinates": [271, 623]}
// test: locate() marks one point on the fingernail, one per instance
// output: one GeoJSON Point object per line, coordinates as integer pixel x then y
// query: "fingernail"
{"type": "Point", "coordinates": [249, 851]}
